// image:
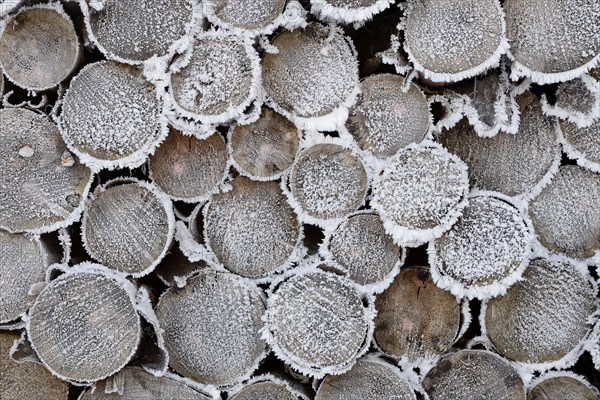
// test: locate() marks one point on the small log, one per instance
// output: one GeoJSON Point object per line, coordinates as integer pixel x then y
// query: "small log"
{"type": "Point", "coordinates": [250, 17]}
{"type": "Point", "coordinates": [416, 319]}
{"type": "Point", "coordinates": [43, 184]}
{"type": "Point", "coordinates": [313, 78]}
{"type": "Point", "coordinates": [582, 144]}
{"type": "Point", "coordinates": [316, 323]}
{"type": "Point", "coordinates": [544, 317]}
{"type": "Point", "coordinates": [485, 252]}
{"type": "Point", "coordinates": [452, 40]}
{"type": "Point", "coordinates": [267, 387]}
{"type": "Point", "coordinates": [267, 231]}
{"type": "Point", "coordinates": [370, 378]}
{"type": "Point", "coordinates": [84, 325]}
{"type": "Point", "coordinates": [134, 31]}
{"type": "Point", "coordinates": [187, 168]}
{"type": "Point", "coordinates": [26, 381]}
{"type": "Point", "coordinates": [561, 386]}
{"type": "Point", "coordinates": [566, 214]}
{"type": "Point", "coordinates": [327, 182]}
{"type": "Point", "coordinates": [38, 47]}
{"type": "Point", "coordinates": [111, 116]}
{"type": "Point", "coordinates": [128, 227]}
{"type": "Point", "coordinates": [219, 343]}
{"type": "Point", "coordinates": [386, 118]}
{"type": "Point", "coordinates": [133, 383]}
{"type": "Point", "coordinates": [348, 11]}
{"type": "Point", "coordinates": [420, 193]}
{"type": "Point", "coordinates": [263, 150]}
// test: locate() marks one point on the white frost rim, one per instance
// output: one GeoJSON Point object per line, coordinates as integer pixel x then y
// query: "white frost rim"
{"type": "Point", "coordinates": [323, 10]}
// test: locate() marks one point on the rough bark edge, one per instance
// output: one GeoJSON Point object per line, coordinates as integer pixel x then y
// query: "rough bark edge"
{"type": "Point", "coordinates": [574, 154]}
{"type": "Point", "coordinates": [344, 15]}
{"type": "Point", "coordinates": [594, 346]}
{"type": "Point", "coordinates": [562, 374]}
{"type": "Point", "coordinates": [580, 119]}
{"type": "Point", "coordinates": [268, 377]}
{"type": "Point", "coordinates": [391, 56]}
{"type": "Point", "coordinates": [519, 70]}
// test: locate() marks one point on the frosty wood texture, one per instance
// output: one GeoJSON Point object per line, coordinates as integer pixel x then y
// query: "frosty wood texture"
{"type": "Point", "coordinates": [451, 40]}
{"type": "Point", "coordinates": [553, 40]}
{"type": "Point", "coordinates": [26, 381]}
{"type": "Point", "coordinates": [128, 227]}
{"type": "Point", "coordinates": [473, 374]}
{"type": "Point", "coordinates": [314, 74]}
{"type": "Point", "coordinates": [577, 101]}
{"type": "Point", "coordinates": [266, 229]}
{"type": "Point", "coordinates": [386, 118]}
{"type": "Point", "coordinates": [267, 387]}
{"type": "Point", "coordinates": [566, 214]}
{"type": "Point", "coordinates": [416, 319]}
{"type": "Point", "coordinates": [38, 47]}
{"type": "Point", "coordinates": [369, 379]}
{"type": "Point", "coordinates": [543, 317]}
{"type": "Point", "coordinates": [110, 115]}
{"type": "Point", "coordinates": [328, 181]}
{"type": "Point", "coordinates": [187, 168]}
{"type": "Point", "coordinates": [348, 11]}
{"type": "Point", "coordinates": [135, 30]}
{"type": "Point", "coordinates": [248, 16]}
{"type": "Point", "coordinates": [561, 387]}
{"type": "Point", "coordinates": [582, 144]}
{"type": "Point", "coordinates": [84, 326]}
{"type": "Point", "coordinates": [138, 384]}
{"type": "Point", "coordinates": [218, 343]}
{"type": "Point", "coordinates": [43, 185]}
{"type": "Point", "coordinates": [263, 150]}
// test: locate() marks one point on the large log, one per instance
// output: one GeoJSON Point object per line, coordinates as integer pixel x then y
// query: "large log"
{"type": "Point", "coordinates": [561, 385]}
{"type": "Point", "coordinates": [43, 184]}
{"type": "Point", "coordinates": [249, 17]}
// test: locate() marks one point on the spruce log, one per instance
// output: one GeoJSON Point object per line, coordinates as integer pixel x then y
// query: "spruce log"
{"type": "Point", "coordinates": [473, 374]}
{"type": "Point", "coordinates": [38, 47]}
{"type": "Point", "coordinates": [267, 387]}
{"type": "Point", "coordinates": [416, 319]}
{"type": "Point", "coordinates": [43, 184]}
{"type": "Point", "coordinates": [348, 11]}
{"type": "Point", "coordinates": [555, 386]}
{"type": "Point", "coordinates": [218, 343]}
{"type": "Point", "coordinates": [251, 17]}
{"type": "Point", "coordinates": [582, 144]}
{"type": "Point", "coordinates": [128, 226]}
{"type": "Point", "coordinates": [187, 168]}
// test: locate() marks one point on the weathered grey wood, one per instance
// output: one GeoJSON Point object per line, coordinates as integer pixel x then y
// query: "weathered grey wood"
{"type": "Point", "coordinates": [176, 266]}
{"type": "Point", "coordinates": [138, 384]}
{"type": "Point", "coordinates": [110, 115]}
{"type": "Point", "coordinates": [416, 319]}
{"type": "Point", "coordinates": [566, 214]}
{"type": "Point", "coordinates": [252, 16]}
{"type": "Point", "coordinates": [128, 227]}
{"type": "Point", "coordinates": [369, 379]}
{"type": "Point", "coordinates": [26, 381]}
{"type": "Point", "coordinates": [267, 387]}
{"type": "Point", "coordinates": [562, 387]}
{"type": "Point", "coordinates": [84, 327]}
{"type": "Point", "coordinates": [263, 150]}
{"type": "Point", "coordinates": [543, 317]}
{"type": "Point", "coordinates": [582, 143]}
{"type": "Point", "coordinates": [473, 374]}
{"type": "Point", "coordinates": [39, 47]}
{"type": "Point", "coordinates": [187, 168]}
{"type": "Point", "coordinates": [577, 101]}
{"type": "Point", "coordinates": [135, 30]}
{"type": "Point", "coordinates": [252, 229]}
{"type": "Point", "coordinates": [43, 184]}
{"type": "Point", "coordinates": [386, 118]}
{"type": "Point", "coordinates": [328, 181]}
{"type": "Point", "coordinates": [218, 343]}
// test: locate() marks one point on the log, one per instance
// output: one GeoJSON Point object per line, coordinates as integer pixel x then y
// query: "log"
{"type": "Point", "coordinates": [566, 214]}
{"type": "Point", "coordinates": [84, 325]}
{"type": "Point", "coordinates": [543, 318]}
{"type": "Point", "coordinates": [38, 47]}
{"type": "Point", "coordinates": [134, 31]}
{"type": "Point", "coordinates": [313, 78]}
{"type": "Point", "coordinates": [371, 378]}
{"type": "Point", "coordinates": [43, 184]}
{"type": "Point", "coordinates": [128, 226]}
{"type": "Point", "coordinates": [415, 319]}
{"type": "Point", "coordinates": [551, 41]}
{"type": "Point", "coordinates": [249, 17]}
{"type": "Point", "coordinates": [473, 374]}
{"type": "Point", "coordinates": [362, 249]}
{"type": "Point", "coordinates": [581, 144]}
{"type": "Point", "coordinates": [327, 182]}
{"type": "Point", "coordinates": [452, 40]}
{"type": "Point", "coordinates": [421, 193]}
{"type": "Point", "coordinates": [189, 169]}
{"type": "Point", "coordinates": [563, 385]}
{"type": "Point", "coordinates": [348, 11]}
{"type": "Point", "coordinates": [515, 165]}
{"type": "Point", "coordinates": [263, 150]}
{"type": "Point", "coordinates": [28, 380]}
{"type": "Point", "coordinates": [267, 233]}
{"type": "Point", "coordinates": [386, 118]}
{"type": "Point", "coordinates": [111, 116]}
{"type": "Point", "coordinates": [316, 322]}
{"type": "Point", "coordinates": [485, 252]}
{"type": "Point", "coordinates": [219, 343]}
{"type": "Point", "coordinates": [267, 387]}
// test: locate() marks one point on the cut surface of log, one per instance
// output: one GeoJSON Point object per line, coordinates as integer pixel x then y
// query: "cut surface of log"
{"type": "Point", "coordinates": [561, 387]}
{"type": "Point", "coordinates": [348, 11]}
{"type": "Point", "coordinates": [252, 16]}
{"type": "Point", "coordinates": [218, 343]}
{"type": "Point", "coordinates": [577, 101]}
{"type": "Point", "coordinates": [582, 144]}
{"type": "Point", "coordinates": [267, 387]}
{"type": "Point", "coordinates": [43, 185]}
